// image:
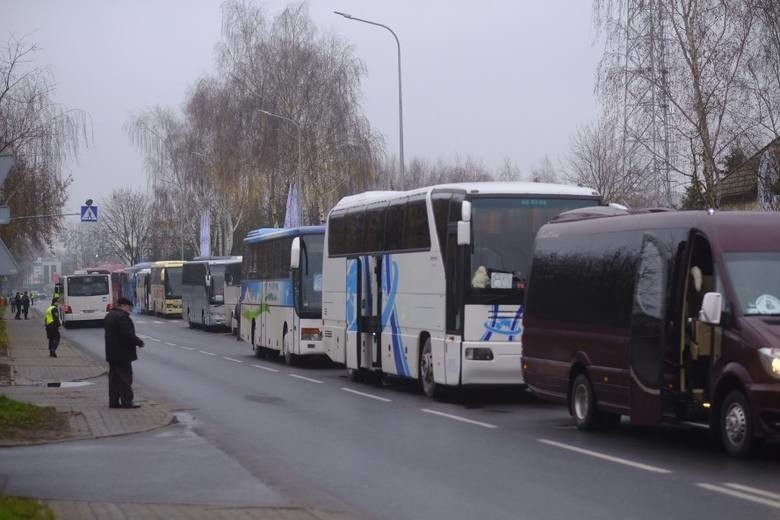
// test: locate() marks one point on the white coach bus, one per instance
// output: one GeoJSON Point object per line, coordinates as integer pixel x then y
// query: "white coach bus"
{"type": "Point", "coordinates": [85, 298]}
{"type": "Point", "coordinates": [281, 292]}
{"type": "Point", "coordinates": [428, 284]}
{"type": "Point", "coordinates": [203, 287]}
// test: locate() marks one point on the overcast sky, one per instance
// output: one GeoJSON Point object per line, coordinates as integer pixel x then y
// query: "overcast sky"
{"type": "Point", "coordinates": [491, 80]}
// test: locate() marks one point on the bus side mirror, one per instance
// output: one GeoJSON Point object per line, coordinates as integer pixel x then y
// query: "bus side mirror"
{"type": "Point", "coordinates": [465, 211]}
{"type": "Point", "coordinates": [711, 308]}
{"type": "Point", "coordinates": [208, 280]}
{"type": "Point", "coordinates": [464, 233]}
{"type": "Point", "coordinates": [295, 253]}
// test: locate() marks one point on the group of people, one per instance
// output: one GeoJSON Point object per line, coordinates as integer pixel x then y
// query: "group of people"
{"type": "Point", "coordinates": [20, 304]}
{"type": "Point", "coordinates": [121, 342]}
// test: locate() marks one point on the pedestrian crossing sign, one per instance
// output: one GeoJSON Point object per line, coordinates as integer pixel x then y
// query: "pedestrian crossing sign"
{"type": "Point", "coordinates": [89, 213]}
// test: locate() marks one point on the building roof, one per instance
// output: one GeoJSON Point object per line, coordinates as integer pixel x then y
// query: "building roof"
{"type": "Point", "coordinates": [741, 184]}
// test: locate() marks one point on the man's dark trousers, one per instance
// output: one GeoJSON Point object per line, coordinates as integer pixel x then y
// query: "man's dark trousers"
{"type": "Point", "coordinates": [54, 342]}
{"type": "Point", "coordinates": [120, 384]}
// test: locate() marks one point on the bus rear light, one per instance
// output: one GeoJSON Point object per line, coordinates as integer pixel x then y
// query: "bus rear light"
{"type": "Point", "coordinates": [108, 307]}
{"type": "Point", "coordinates": [479, 354]}
{"type": "Point", "coordinates": [311, 334]}
{"type": "Point", "coordinates": [68, 309]}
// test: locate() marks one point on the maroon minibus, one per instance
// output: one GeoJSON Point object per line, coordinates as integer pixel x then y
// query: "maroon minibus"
{"type": "Point", "coordinates": [662, 316]}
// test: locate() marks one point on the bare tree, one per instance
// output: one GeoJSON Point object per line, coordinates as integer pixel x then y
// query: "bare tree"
{"type": "Point", "coordinates": [42, 135]}
{"type": "Point", "coordinates": [125, 223]}
{"type": "Point", "coordinates": [596, 160]}
{"type": "Point", "coordinates": [703, 84]}
{"type": "Point", "coordinates": [544, 171]}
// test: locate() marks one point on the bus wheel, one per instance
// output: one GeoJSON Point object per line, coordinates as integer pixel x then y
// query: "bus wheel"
{"type": "Point", "coordinates": [583, 403]}
{"type": "Point", "coordinates": [189, 320]}
{"type": "Point", "coordinates": [356, 375]}
{"type": "Point", "coordinates": [289, 357]}
{"type": "Point", "coordinates": [736, 427]}
{"type": "Point", "coordinates": [428, 384]}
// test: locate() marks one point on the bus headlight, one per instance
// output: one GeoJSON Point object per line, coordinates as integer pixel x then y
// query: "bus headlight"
{"type": "Point", "coordinates": [311, 334]}
{"type": "Point", "coordinates": [479, 354]}
{"type": "Point", "coordinates": [770, 358]}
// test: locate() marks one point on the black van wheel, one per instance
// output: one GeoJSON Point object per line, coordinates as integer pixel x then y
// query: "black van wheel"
{"type": "Point", "coordinates": [736, 427]}
{"type": "Point", "coordinates": [583, 403]}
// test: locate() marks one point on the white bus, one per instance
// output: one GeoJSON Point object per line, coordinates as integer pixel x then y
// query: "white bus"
{"type": "Point", "coordinates": [428, 284]}
{"type": "Point", "coordinates": [203, 283]}
{"type": "Point", "coordinates": [85, 298]}
{"type": "Point", "coordinates": [281, 292]}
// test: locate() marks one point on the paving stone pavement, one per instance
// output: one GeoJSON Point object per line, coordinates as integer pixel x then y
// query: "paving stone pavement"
{"type": "Point", "coordinates": [90, 417]}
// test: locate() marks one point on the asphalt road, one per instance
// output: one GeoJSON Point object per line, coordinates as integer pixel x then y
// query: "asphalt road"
{"type": "Point", "coordinates": [309, 436]}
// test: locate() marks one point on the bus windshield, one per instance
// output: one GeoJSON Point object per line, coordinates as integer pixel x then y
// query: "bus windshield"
{"type": "Point", "coordinates": [311, 273]}
{"type": "Point", "coordinates": [503, 230]}
{"type": "Point", "coordinates": [756, 280]}
{"type": "Point", "coordinates": [217, 288]}
{"type": "Point", "coordinates": [173, 282]}
{"type": "Point", "coordinates": [88, 286]}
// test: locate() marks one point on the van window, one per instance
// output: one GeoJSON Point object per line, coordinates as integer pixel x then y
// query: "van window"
{"type": "Point", "coordinates": [756, 281]}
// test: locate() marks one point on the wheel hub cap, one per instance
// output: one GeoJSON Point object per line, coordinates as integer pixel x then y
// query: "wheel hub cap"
{"type": "Point", "coordinates": [736, 424]}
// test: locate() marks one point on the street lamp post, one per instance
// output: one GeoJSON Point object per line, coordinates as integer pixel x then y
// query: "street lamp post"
{"type": "Point", "coordinates": [400, 96]}
{"type": "Point", "coordinates": [299, 174]}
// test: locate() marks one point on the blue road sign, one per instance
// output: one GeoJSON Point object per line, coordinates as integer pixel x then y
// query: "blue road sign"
{"type": "Point", "coordinates": [89, 213]}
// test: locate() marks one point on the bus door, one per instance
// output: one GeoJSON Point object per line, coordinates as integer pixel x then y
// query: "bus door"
{"type": "Point", "coordinates": [648, 332]}
{"type": "Point", "coordinates": [365, 297]}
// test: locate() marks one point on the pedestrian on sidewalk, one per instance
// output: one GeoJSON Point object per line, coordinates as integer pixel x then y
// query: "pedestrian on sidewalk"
{"type": "Point", "coordinates": [18, 305]}
{"type": "Point", "coordinates": [121, 343]}
{"type": "Point", "coordinates": [25, 304]}
{"type": "Point", "coordinates": [12, 302]}
{"type": "Point", "coordinates": [51, 319]}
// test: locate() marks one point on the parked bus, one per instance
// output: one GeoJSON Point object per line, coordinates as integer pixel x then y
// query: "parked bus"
{"type": "Point", "coordinates": [165, 288]}
{"type": "Point", "coordinates": [139, 286]}
{"type": "Point", "coordinates": [203, 291]}
{"type": "Point", "coordinates": [659, 316]}
{"type": "Point", "coordinates": [281, 292]}
{"type": "Point", "coordinates": [428, 284]}
{"type": "Point", "coordinates": [85, 298]}
{"type": "Point", "coordinates": [233, 294]}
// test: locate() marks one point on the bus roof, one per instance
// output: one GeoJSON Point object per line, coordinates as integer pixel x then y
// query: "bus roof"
{"type": "Point", "coordinates": [216, 260]}
{"type": "Point", "coordinates": [138, 267]}
{"type": "Point", "coordinates": [471, 188]}
{"type": "Point", "coordinates": [265, 234]}
{"type": "Point", "coordinates": [167, 263]}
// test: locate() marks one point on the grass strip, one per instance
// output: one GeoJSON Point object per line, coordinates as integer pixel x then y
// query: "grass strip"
{"type": "Point", "coordinates": [19, 419]}
{"type": "Point", "coordinates": [13, 508]}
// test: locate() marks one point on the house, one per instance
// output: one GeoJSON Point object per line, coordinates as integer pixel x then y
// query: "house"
{"type": "Point", "coordinates": [754, 184]}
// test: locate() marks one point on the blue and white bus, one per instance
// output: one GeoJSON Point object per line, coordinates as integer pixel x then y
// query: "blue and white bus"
{"type": "Point", "coordinates": [428, 284]}
{"type": "Point", "coordinates": [203, 287]}
{"type": "Point", "coordinates": [281, 292]}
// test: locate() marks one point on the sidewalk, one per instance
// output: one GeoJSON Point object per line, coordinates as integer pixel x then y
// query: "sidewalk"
{"type": "Point", "coordinates": [87, 405]}
{"type": "Point", "coordinates": [85, 400]}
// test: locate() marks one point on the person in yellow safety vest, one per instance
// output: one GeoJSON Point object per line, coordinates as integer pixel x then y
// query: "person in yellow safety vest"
{"type": "Point", "coordinates": [51, 320]}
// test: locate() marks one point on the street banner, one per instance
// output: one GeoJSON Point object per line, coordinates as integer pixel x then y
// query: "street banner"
{"type": "Point", "coordinates": [291, 212]}
{"type": "Point", "coordinates": [205, 234]}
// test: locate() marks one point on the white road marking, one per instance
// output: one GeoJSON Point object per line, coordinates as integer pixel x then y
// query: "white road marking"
{"type": "Point", "coordinates": [604, 456]}
{"type": "Point", "coordinates": [170, 344]}
{"type": "Point", "coordinates": [751, 496]}
{"type": "Point", "coordinates": [186, 348]}
{"type": "Point", "coordinates": [207, 353]}
{"type": "Point", "coordinates": [158, 322]}
{"type": "Point", "coordinates": [305, 378]}
{"type": "Point", "coordinates": [231, 359]}
{"type": "Point", "coordinates": [265, 368]}
{"type": "Point", "coordinates": [365, 394]}
{"type": "Point", "coordinates": [459, 418]}
{"type": "Point", "coordinates": [755, 491]}
{"type": "Point", "coordinates": [155, 339]}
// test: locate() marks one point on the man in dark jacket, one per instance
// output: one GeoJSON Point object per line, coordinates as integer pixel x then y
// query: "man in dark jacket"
{"type": "Point", "coordinates": [51, 320]}
{"type": "Point", "coordinates": [25, 304]}
{"type": "Point", "coordinates": [121, 342]}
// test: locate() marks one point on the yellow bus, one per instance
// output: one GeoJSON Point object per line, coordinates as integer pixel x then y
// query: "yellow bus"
{"type": "Point", "coordinates": [165, 283]}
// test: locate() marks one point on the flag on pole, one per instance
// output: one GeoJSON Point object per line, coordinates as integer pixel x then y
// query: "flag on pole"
{"type": "Point", "coordinates": [291, 211]}
{"type": "Point", "coordinates": [205, 234]}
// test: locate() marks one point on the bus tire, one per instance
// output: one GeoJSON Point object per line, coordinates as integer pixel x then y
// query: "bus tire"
{"type": "Point", "coordinates": [290, 359]}
{"type": "Point", "coordinates": [583, 403]}
{"type": "Point", "coordinates": [189, 320]}
{"type": "Point", "coordinates": [427, 382]}
{"type": "Point", "coordinates": [356, 375]}
{"type": "Point", "coordinates": [736, 426]}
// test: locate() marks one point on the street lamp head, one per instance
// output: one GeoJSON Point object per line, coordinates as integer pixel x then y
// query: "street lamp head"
{"type": "Point", "coordinates": [345, 15]}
